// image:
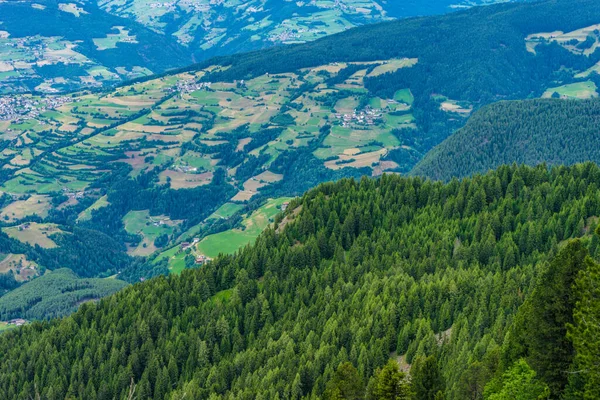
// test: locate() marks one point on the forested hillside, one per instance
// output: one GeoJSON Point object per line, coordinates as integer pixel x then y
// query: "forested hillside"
{"type": "Point", "coordinates": [208, 28]}
{"type": "Point", "coordinates": [54, 295]}
{"type": "Point", "coordinates": [557, 132]}
{"type": "Point", "coordinates": [155, 167]}
{"type": "Point", "coordinates": [466, 282]}
{"type": "Point", "coordinates": [54, 46]}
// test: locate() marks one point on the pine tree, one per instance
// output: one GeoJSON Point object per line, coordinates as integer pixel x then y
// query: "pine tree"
{"type": "Point", "coordinates": [519, 382]}
{"type": "Point", "coordinates": [426, 378]}
{"type": "Point", "coordinates": [585, 331]}
{"type": "Point", "coordinates": [539, 332]}
{"type": "Point", "coordinates": [346, 383]}
{"type": "Point", "coordinates": [389, 383]}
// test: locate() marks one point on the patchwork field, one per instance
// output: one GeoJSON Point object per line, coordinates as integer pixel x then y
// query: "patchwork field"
{"type": "Point", "coordinates": [146, 124]}
{"type": "Point", "coordinates": [582, 41]}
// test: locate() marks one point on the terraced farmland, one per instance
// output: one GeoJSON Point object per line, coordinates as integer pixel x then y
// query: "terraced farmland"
{"type": "Point", "coordinates": [188, 133]}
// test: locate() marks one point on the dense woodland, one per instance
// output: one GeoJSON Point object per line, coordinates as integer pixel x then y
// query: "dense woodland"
{"type": "Point", "coordinates": [55, 294]}
{"type": "Point", "coordinates": [558, 132]}
{"type": "Point", "coordinates": [318, 308]}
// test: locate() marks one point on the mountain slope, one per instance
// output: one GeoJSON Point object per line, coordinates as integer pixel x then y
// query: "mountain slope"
{"type": "Point", "coordinates": [344, 280]}
{"type": "Point", "coordinates": [237, 131]}
{"type": "Point", "coordinates": [65, 45]}
{"type": "Point", "coordinates": [475, 55]}
{"type": "Point", "coordinates": [557, 132]}
{"type": "Point", "coordinates": [54, 295]}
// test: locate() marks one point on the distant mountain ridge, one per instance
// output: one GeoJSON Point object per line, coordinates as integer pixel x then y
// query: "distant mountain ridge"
{"type": "Point", "coordinates": [51, 46]}
{"type": "Point", "coordinates": [70, 44]}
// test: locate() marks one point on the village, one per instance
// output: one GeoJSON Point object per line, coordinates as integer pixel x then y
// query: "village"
{"type": "Point", "coordinates": [189, 86]}
{"type": "Point", "coordinates": [368, 116]}
{"type": "Point", "coordinates": [23, 107]}
{"type": "Point", "coordinates": [186, 169]}
{"type": "Point", "coordinates": [190, 5]}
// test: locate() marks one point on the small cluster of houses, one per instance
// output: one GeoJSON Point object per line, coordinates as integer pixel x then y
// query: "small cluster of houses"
{"type": "Point", "coordinates": [184, 168]}
{"type": "Point", "coordinates": [157, 223]}
{"type": "Point", "coordinates": [17, 322]}
{"type": "Point", "coordinates": [189, 86]}
{"type": "Point", "coordinates": [200, 258]}
{"type": "Point", "coordinates": [366, 117]}
{"type": "Point", "coordinates": [287, 35]}
{"type": "Point", "coordinates": [73, 195]}
{"type": "Point", "coordinates": [188, 245]}
{"type": "Point", "coordinates": [169, 5]}
{"type": "Point", "coordinates": [17, 108]}
{"type": "Point", "coordinates": [191, 5]}
{"type": "Point", "coordinates": [24, 226]}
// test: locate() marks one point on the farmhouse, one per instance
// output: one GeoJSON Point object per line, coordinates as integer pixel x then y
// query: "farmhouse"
{"type": "Point", "coordinates": [202, 259]}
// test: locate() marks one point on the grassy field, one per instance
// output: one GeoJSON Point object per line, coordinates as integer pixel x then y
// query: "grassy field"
{"type": "Point", "coordinates": [34, 233]}
{"type": "Point", "coordinates": [176, 259]}
{"type": "Point", "coordinates": [230, 241]}
{"type": "Point", "coordinates": [34, 205]}
{"type": "Point", "coordinates": [226, 210]}
{"type": "Point", "coordinates": [149, 227]}
{"type": "Point", "coordinates": [404, 95]}
{"type": "Point", "coordinates": [579, 90]}
{"type": "Point", "coordinates": [87, 213]}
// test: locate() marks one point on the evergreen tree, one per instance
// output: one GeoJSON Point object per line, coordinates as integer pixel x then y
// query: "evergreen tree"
{"type": "Point", "coordinates": [389, 383]}
{"type": "Point", "coordinates": [345, 384]}
{"type": "Point", "coordinates": [426, 379]}
{"type": "Point", "coordinates": [519, 382]}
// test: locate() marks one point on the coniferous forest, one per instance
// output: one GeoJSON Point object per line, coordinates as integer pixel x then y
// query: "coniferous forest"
{"type": "Point", "coordinates": [558, 132]}
{"type": "Point", "coordinates": [481, 288]}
